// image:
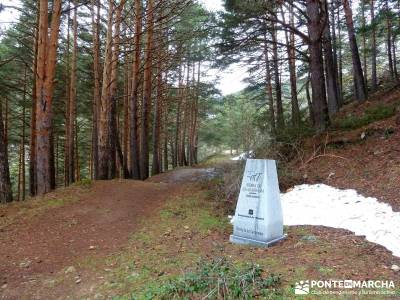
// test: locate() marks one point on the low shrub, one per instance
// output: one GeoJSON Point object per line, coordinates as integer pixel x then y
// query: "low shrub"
{"type": "Point", "coordinates": [219, 279]}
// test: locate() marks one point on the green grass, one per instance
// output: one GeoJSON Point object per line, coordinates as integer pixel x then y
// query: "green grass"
{"type": "Point", "coordinates": [218, 279]}
{"type": "Point", "coordinates": [55, 203]}
{"type": "Point", "coordinates": [370, 115]}
{"type": "Point", "coordinates": [162, 249]}
{"type": "Point", "coordinates": [207, 221]}
{"type": "Point", "coordinates": [214, 160]}
{"type": "Point", "coordinates": [85, 182]}
{"type": "Point", "coordinates": [182, 252]}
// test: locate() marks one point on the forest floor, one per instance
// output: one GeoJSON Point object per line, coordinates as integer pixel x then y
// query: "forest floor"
{"type": "Point", "coordinates": [125, 239]}
{"type": "Point", "coordinates": [121, 238]}
{"type": "Point", "coordinates": [361, 151]}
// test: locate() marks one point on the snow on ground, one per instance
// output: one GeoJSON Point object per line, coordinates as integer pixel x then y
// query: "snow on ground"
{"type": "Point", "coordinates": [321, 204]}
{"type": "Point", "coordinates": [244, 155]}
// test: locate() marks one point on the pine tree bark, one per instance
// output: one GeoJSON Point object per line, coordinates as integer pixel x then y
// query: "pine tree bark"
{"type": "Point", "coordinates": [179, 98]}
{"type": "Point", "coordinates": [335, 53]}
{"type": "Point", "coordinates": [147, 92]}
{"type": "Point", "coordinates": [67, 98]}
{"type": "Point", "coordinates": [364, 42]}
{"type": "Point", "coordinates": [389, 39]}
{"type": "Point", "coordinates": [32, 142]}
{"type": "Point", "coordinates": [340, 57]}
{"type": "Point", "coordinates": [394, 48]}
{"type": "Point", "coordinates": [290, 48]}
{"type": "Point", "coordinates": [112, 113]}
{"type": "Point", "coordinates": [70, 139]}
{"type": "Point", "coordinates": [185, 118]}
{"type": "Point", "coordinates": [105, 105]}
{"type": "Point", "coordinates": [134, 101]}
{"type": "Point", "coordinates": [127, 81]}
{"type": "Point", "coordinates": [374, 77]}
{"type": "Point", "coordinates": [359, 82]}
{"type": "Point", "coordinates": [5, 183]}
{"type": "Point", "coordinates": [156, 167]}
{"type": "Point", "coordinates": [315, 30]}
{"type": "Point", "coordinates": [278, 87]}
{"type": "Point", "coordinates": [330, 71]}
{"type": "Point", "coordinates": [23, 176]}
{"type": "Point", "coordinates": [47, 58]}
{"type": "Point", "coordinates": [97, 86]}
{"type": "Point", "coordinates": [268, 88]}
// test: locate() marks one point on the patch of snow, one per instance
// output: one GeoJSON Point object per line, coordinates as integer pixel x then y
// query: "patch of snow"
{"type": "Point", "coordinates": [324, 205]}
{"type": "Point", "coordinates": [244, 155]}
{"type": "Point", "coordinates": [231, 219]}
{"type": "Point", "coordinates": [395, 268]}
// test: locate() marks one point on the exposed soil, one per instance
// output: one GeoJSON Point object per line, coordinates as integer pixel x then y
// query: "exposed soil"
{"type": "Point", "coordinates": [366, 159]}
{"type": "Point", "coordinates": [75, 249]}
{"type": "Point", "coordinates": [98, 224]}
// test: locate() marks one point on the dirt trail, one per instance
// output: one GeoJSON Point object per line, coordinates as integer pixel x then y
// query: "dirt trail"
{"type": "Point", "coordinates": [100, 223]}
{"type": "Point", "coordinates": [76, 250]}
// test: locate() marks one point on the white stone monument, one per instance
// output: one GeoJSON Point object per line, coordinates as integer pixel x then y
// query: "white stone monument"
{"type": "Point", "coordinates": [258, 218]}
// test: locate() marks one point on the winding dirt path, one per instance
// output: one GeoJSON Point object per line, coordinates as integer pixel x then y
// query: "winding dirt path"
{"type": "Point", "coordinates": [100, 223]}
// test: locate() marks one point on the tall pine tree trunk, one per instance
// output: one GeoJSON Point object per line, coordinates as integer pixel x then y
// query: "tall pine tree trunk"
{"type": "Point", "coordinates": [389, 39]}
{"type": "Point", "coordinates": [5, 183]}
{"type": "Point", "coordinates": [32, 142]}
{"type": "Point", "coordinates": [105, 105]}
{"type": "Point", "coordinates": [331, 82]}
{"type": "Point", "coordinates": [97, 87]}
{"type": "Point", "coordinates": [134, 101]}
{"type": "Point", "coordinates": [359, 82]}
{"type": "Point", "coordinates": [70, 139]}
{"type": "Point", "coordinates": [156, 167]}
{"type": "Point", "coordinates": [112, 112]}
{"type": "Point", "coordinates": [147, 92]}
{"type": "Point", "coordinates": [47, 58]}
{"type": "Point", "coordinates": [290, 48]}
{"type": "Point", "coordinates": [374, 77]}
{"type": "Point", "coordinates": [268, 88]}
{"type": "Point", "coordinates": [364, 42]}
{"type": "Point", "coordinates": [278, 87]}
{"type": "Point", "coordinates": [315, 30]}
{"type": "Point", "coordinates": [340, 57]}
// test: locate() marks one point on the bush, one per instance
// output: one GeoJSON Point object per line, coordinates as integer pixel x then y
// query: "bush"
{"type": "Point", "coordinates": [219, 279]}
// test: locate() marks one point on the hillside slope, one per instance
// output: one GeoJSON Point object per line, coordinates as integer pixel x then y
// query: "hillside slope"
{"type": "Point", "coordinates": [361, 151]}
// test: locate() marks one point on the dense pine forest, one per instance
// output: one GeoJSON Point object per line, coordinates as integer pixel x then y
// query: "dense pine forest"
{"type": "Point", "coordinates": [199, 149]}
{"type": "Point", "coordinates": [119, 89]}
{"type": "Point", "coordinates": [99, 90]}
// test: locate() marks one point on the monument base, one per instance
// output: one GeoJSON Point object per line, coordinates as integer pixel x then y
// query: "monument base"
{"type": "Point", "coordinates": [245, 241]}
